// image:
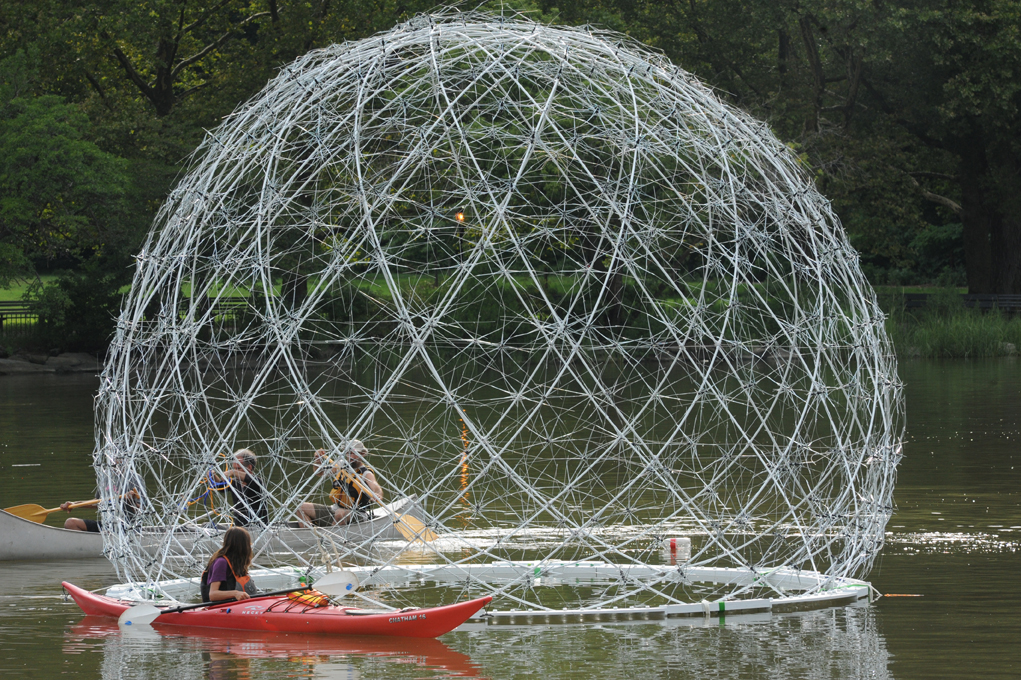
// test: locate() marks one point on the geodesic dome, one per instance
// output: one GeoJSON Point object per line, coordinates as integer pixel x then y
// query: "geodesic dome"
{"type": "Point", "coordinates": [572, 303]}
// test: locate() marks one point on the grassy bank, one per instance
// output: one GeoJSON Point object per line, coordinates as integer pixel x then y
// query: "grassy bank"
{"type": "Point", "coordinates": [17, 291]}
{"type": "Point", "coordinates": [945, 328]}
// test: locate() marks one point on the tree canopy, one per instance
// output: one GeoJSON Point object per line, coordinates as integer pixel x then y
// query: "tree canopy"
{"type": "Point", "coordinates": [61, 196]}
{"type": "Point", "coordinates": [906, 111]}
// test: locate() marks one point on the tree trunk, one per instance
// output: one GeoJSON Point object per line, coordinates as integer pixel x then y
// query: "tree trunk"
{"type": "Point", "coordinates": [1005, 245]}
{"type": "Point", "coordinates": [992, 226]}
{"type": "Point", "coordinates": [992, 245]}
{"type": "Point", "coordinates": [975, 215]}
{"type": "Point", "coordinates": [977, 254]}
{"type": "Point", "coordinates": [1005, 238]}
{"type": "Point", "coordinates": [818, 76]}
{"type": "Point", "coordinates": [783, 54]}
{"type": "Point", "coordinates": [163, 98]}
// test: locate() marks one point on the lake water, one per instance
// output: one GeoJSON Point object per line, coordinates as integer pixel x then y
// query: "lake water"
{"type": "Point", "coordinates": [954, 541]}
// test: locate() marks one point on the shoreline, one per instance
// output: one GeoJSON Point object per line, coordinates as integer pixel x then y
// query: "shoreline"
{"type": "Point", "coordinates": [40, 364]}
{"type": "Point", "coordinates": [70, 363]}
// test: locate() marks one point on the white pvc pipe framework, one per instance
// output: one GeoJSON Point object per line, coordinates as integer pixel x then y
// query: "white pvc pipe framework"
{"type": "Point", "coordinates": [571, 302]}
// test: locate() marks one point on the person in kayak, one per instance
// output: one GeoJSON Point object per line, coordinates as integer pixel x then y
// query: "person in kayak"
{"type": "Point", "coordinates": [126, 487]}
{"type": "Point", "coordinates": [354, 489]}
{"type": "Point", "coordinates": [249, 495]}
{"type": "Point", "coordinates": [226, 575]}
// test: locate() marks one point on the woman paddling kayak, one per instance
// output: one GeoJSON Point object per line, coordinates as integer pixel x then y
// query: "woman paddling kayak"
{"type": "Point", "coordinates": [226, 575]}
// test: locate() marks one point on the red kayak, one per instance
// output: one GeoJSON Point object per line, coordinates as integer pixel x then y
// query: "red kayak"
{"type": "Point", "coordinates": [280, 614]}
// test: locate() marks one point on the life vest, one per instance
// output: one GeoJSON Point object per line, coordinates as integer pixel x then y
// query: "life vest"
{"type": "Point", "coordinates": [231, 582]}
{"type": "Point", "coordinates": [346, 494]}
{"type": "Point", "coordinates": [311, 598]}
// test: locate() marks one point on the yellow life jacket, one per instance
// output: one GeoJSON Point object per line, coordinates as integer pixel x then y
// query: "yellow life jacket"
{"type": "Point", "coordinates": [310, 598]}
{"type": "Point", "coordinates": [347, 491]}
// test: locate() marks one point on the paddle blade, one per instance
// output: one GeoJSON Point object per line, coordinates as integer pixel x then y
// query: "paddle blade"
{"type": "Point", "coordinates": [413, 529]}
{"type": "Point", "coordinates": [37, 513]}
{"type": "Point", "coordinates": [139, 615]}
{"type": "Point", "coordinates": [337, 583]}
{"type": "Point", "coordinates": [31, 512]}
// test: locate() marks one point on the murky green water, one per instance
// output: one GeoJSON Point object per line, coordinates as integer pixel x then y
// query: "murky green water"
{"type": "Point", "coordinates": [954, 540]}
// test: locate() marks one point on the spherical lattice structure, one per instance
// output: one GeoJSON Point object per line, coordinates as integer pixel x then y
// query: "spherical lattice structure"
{"type": "Point", "coordinates": [570, 301]}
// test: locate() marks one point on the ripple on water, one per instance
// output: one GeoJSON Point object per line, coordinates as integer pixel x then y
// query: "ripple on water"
{"type": "Point", "coordinates": [961, 542]}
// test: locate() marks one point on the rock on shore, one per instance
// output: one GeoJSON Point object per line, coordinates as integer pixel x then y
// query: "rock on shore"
{"type": "Point", "coordinates": [71, 362]}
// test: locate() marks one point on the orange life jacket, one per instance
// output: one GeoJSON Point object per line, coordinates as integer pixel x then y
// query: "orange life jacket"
{"type": "Point", "coordinates": [234, 582]}
{"type": "Point", "coordinates": [311, 598]}
{"type": "Point", "coordinates": [346, 492]}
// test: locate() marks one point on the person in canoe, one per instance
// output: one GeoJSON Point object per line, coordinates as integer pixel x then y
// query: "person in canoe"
{"type": "Point", "coordinates": [249, 505]}
{"type": "Point", "coordinates": [125, 487]}
{"type": "Point", "coordinates": [354, 489]}
{"type": "Point", "coordinates": [226, 574]}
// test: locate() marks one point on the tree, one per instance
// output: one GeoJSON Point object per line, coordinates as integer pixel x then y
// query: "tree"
{"type": "Point", "coordinates": [61, 197]}
{"type": "Point", "coordinates": [77, 310]}
{"type": "Point", "coordinates": [956, 89]}
{"type": "Point", "coordinates": [906, 110]}
{"type": "Point", "coordinates": [171, 49]}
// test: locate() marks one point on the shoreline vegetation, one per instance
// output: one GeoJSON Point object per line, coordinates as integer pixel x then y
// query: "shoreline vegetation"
{"type": "Point", "coordinates": [899, 113]}
{"type": "Point", "coordinates": [944, 329]}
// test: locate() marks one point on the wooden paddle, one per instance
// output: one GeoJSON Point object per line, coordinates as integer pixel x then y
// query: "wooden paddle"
{"type": "Point", "coordinates": [37, 513]}
{"type": "Point", "coordinates": [411, 528]}
{"type": "Point", "coordinates": [335, 584]}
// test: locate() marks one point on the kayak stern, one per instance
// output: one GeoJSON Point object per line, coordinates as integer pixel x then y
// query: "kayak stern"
{"type": "Point", "coordinates": [92, 604]}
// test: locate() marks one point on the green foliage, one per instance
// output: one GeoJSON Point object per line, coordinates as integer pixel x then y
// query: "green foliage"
{"type": "Point", "coordinates": [905, 113]}
{"type": "Point", "coordinates": [77, 310]}
{"type": "Point", "coordinates": [945, 328]}
{"type": "Point", "coordinates": [940, 252]}
{"type": "Point", "coordinates": [968, 334]}
{"type": "Point", "coordinates": [60, 195]}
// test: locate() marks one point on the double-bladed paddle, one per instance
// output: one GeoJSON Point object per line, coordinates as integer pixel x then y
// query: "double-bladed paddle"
{"type": "Point", "coordinates": [335, 584]}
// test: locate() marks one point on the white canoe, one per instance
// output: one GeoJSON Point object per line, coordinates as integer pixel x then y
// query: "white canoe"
{"type": "Point", "coordinates": [21, 539]}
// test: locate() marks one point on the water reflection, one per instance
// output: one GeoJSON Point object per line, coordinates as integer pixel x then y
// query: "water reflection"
{"type": "Point", "coordinates": [956, 538]}
{"type": "Point", "coordinates": [183, 653]}
{"type": "Point", "coordinates": [840, 643]}
{"type": "Point", "coordinates": [958, 542]}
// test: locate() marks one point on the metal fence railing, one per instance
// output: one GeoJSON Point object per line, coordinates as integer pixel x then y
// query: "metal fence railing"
{"type": "Point", "coordinates": [1006, 303]}
{"type": "Point", "coordinates": [16, 318]}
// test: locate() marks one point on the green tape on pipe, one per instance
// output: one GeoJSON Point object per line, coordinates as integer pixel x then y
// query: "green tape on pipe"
{"type": "Point", "coordinates": [723, 606]}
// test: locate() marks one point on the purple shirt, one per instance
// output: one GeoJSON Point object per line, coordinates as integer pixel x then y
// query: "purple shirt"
{"type": "Point", "coordinates": [218, 572]}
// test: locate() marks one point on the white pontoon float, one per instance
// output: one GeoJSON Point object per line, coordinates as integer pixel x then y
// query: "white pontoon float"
{"type": "Point", "coordinates": [795, 590]}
